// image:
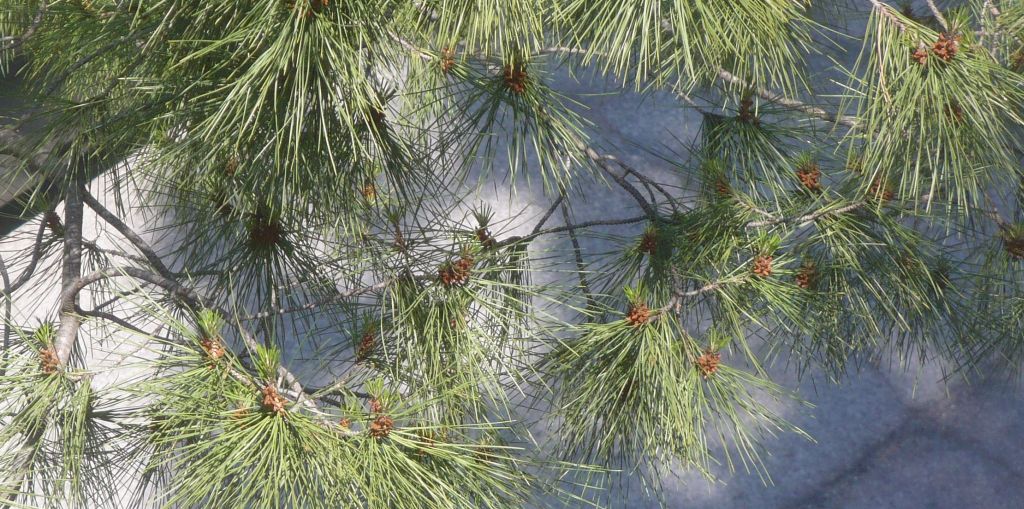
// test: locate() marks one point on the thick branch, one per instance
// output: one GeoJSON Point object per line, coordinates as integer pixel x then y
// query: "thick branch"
{"type": "Point", "coordinates": [70, 322]}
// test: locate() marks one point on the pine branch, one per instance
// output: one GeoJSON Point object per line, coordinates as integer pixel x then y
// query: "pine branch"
{"type": "Point", "coordinates": [26, 275]}
{"type": "Point", "coordinates": [938, 14]}
{"type": "Point", "coordinates": [581, 270]}
{"type": "Point", "coordinates": [602, 162]}
{"type": "Point", "coordinates": [887, 12]}
{"type": "Point", "coordinates": [786, 102]}
{"type": "Point", "coordinates": [565, 228]}
{"type": "Point", "coordinates": [12, 43]}
{"type": "Point", "coordinates": [129, 234]}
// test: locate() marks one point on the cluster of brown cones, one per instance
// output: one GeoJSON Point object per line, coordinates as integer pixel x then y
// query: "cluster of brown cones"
{"type": "Point", "coordinates": [381, 425]}
{"type": "Point", "coordinates": [809, 174]}
{"type": "Point", "coordinates": [747, 114]}
{"type": "Point", "coordinates": [763, 266]}
{"type": "Point", "coordinates": [805, 277]}
{"type": "Point", "coordinates": [213, 347]}
{"type": "Point", "coordinates": [515, 78]}
{"type": "Point", "coordinates": [273, 401]}
{"type": "Point", "coordinates": [1014, 245]}
{"type": "Point", "coordinates": [708, 363]}
{"type": "Point", "coordinates": [638, 314]}
{"type": "Point", "coordinates": [366, 344]}
{"type": "Point", "coordinates": [447, 60]}
{"type": "Point", "coordinates": [649, 242]}
{"type": "Point", "coordinates": [48, 360]}
{"type": "Point", "coordinates": [457, 272]}
{"type": "Point", "coordinates": [944, 48]}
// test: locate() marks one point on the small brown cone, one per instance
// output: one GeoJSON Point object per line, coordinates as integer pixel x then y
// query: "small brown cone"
{"type": "Point", "coordinates": [880, 190]}
{"type": "Point", "coordinates": [920, 55]}
{"type": "Point", "coordinates": [763, 266]}
{"type": "Point", "coordinates": [638, 314]}
{"type": "Point", "coordinates": [264, 232]}
{"type": "Point", "coordinates": [381, 427]}
{"type": "Point", "coordinates": [54, 223]}
{"type": "Point", "coordinates": [708, 363]}
{"type": "Point", "coordinates": [649, 242]}
{"type": "Point", "coordinates": [376, 406]}
{"type": "Point", "coordinates": [447, 60]}
{"type": "Point", "coordinates": [809, 174]}
{"type": "Point", "coordinates": [231, 166]}
{"type": "Point", "coordinates": [213, 347]}
{"type": "Point", "coordinates": [486, 239]}
{"type": "Point", "coordinates": [516, 78]}
{"type": "Point", "coordinates": [273, 401]}
{"type": "Point", "coordinates": [48, 360]}
{"type": "Point", "coordinates": [805, 277]}
{"type": "Point", "coordinates": [366, 344]}
{"type": "Point", "coordinates": [1014, 245]}
{"type": "Point", "coordinates": [946, 47]}
{"type": "Point", "coordinates": [456, 273]}
{"type": "Point", "coordinates": [747, 114]}
{"type": "Point", "coordinates": [722, 187]}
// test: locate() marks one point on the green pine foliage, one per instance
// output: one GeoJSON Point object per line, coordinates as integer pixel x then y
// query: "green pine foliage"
{"type": "Point", "coordinates": [297, 295]}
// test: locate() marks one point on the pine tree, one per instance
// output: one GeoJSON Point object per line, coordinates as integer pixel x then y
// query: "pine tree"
{"type": "Point", "coordinates": [267, 279]}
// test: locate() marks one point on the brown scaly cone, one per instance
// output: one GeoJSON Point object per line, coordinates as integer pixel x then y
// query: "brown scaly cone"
{"type": "Point", "coordinates": [920, 55]}
{"type": "Point", "coordinates": [376, 406]}
{"type": "Point", "coordinates": [48, 360]}
{"type": "Point", "coordinates": [1014, 244]}
{"type": "Point", "coordinates": [763, 266]}
{"type": "Point", "coordinates": [213, 347]}
{"type": "Point", "coordinates": [1017, 60]}
{"type": "Point", "coordinates": [880, 190]}
{"type": "Point", "coordinates": [381, 427]}
{"type": "Point", "coordinates": [649, 242]}
{"type": "Point", "coordinates": [954, 112]}
{"type": "Point", "coordinates": [638, 314]}
{"type": "Point", "coordinates": [946, 47]}
{"type": "Point", "coordinates": [486, 239]}
{"type": "Point", "coordinates": [515, 78]}
{"type": "Point", "coordinates": [345, 423]}
{"type": "Point", "coordinates": [708, 363]}
{"type": "Point", "coordinates": [54, 223]}
{"type": "Point", "coordinates": [231, 166]}
{"type": "Point", "coordinates": [747, 114]}
{"type": "Point", "coordinates": [273, 401]}
{"type": "Point", "coordinates": [366, 344]}
{"type": "Point", "coordinates": [456, 273]}
{"type": "Point", "coordinates": [722, 187]}
{"type": "Point", "coordinates": [264, 232]}
{"type": "Point", "coordinates": [805, 278]}
{"type": "Point", "coordinates": [369, 190]}
{"type": "Point", "coordinates": [809, 174]}
{"type": "Point", "coordinates": [447, 60]}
